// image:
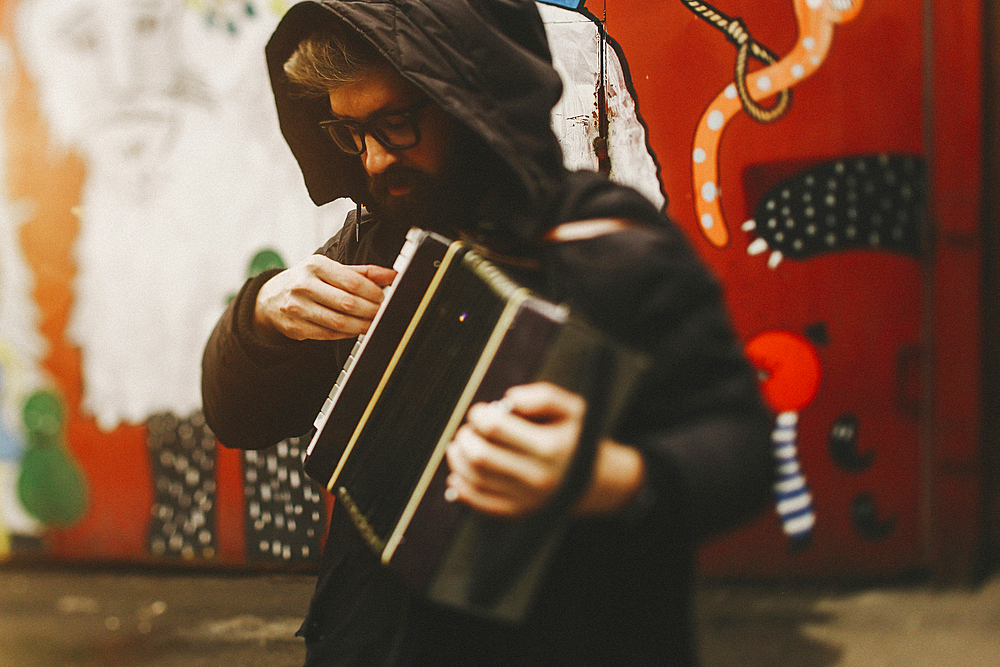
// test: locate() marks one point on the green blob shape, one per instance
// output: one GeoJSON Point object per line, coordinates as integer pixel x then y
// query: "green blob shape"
{"type": "Point", "coordinates": [264, 260]}
{"type": "Point", "coordinates": [51, 486]}
{"type": "Point", "coordinates": [43, 414]}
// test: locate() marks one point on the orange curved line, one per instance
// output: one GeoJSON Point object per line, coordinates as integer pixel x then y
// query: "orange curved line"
{"type": "Point", "coordinates": [816, 19]}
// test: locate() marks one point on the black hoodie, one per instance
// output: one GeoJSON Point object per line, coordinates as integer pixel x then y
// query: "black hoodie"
{"type": "Point", "coordinates": [485, 62]}
{"type": "Point", "coordinates": [619, 591]}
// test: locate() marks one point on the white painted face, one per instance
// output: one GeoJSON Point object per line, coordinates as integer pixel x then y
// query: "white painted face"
{"type": "Point", "coordinates": [107, 73]}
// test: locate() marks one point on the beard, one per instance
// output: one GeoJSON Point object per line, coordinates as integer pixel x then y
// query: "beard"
{"type": "Point", "coordinates": [425, 205]}
{"type": "Point", "coordinates": [474, 192]}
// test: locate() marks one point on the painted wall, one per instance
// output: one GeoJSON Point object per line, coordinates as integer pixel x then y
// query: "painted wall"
{"type": "Point", "coordinates": [824, 157]}
{"type": "Point", "coordinates": [150, 180]}
{"type": "Point", "coordinates": [144, 180]}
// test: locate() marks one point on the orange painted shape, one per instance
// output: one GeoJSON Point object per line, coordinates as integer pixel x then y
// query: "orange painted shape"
{"type": "Point", "coordinates": [791, 368]}
{"type": "Point", "coordinates": [816, 19]}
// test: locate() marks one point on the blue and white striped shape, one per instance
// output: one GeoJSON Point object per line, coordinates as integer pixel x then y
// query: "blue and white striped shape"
{"type": "Point", "coordinates": [792, 498]}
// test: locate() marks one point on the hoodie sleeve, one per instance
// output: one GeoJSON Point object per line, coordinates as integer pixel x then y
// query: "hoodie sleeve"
{"type": "Point", "coordinates": [255, 392]}
{"type": "Point", "coordinates": [698, 417]}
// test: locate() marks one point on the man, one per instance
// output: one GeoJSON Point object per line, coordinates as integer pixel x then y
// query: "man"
{"type": "Point", "coordinates": [435, 113]}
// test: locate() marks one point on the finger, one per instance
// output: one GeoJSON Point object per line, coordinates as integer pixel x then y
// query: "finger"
{"type": "Point", "coordinates": [487, 465]}
{"type": "Point", "coordinates": [351, 281]}
{"type": "Point", "coordinates": [322, 291]}
{"type": "Point", "coordinates": [459, 490]}
{"type": "Point", "coordinates": [544, 401]}
{"type": "Point", "coordinates": [306, 320]}
{"type": "Point", "coordinates": [539, 433]}
{"type": "Point", "coordinates": [497, 494]}
{"type": "Point", "coordinates": [314, 301]}
{"type": "Point", "coordinates": [328, 325]}
{"type": "Point", "coordinates": [494, 479]}
{"type": "Point", "coordinates": [494, 421]}
{"type": "Point", "coordinates": [379, 275]}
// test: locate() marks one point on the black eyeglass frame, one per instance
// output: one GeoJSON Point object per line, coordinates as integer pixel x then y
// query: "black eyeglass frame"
{"type": "Point", "coordinates": [359, 130]}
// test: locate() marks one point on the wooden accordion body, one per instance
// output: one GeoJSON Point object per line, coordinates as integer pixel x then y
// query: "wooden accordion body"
{"type": "Point", "coordinates": [454, 330]}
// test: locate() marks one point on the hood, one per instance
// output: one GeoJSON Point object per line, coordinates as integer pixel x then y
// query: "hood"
{"type": "Point", "coordinates": [485, 62]}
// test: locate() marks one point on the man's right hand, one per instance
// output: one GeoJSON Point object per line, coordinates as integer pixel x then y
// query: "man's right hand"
{"type": "Point", "coordinates": [320, 299]}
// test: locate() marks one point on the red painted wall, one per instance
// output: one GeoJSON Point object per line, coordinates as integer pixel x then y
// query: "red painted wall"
{"type": "Point", "coordinates": [897, 331]}
{"type": "Point", "coordinates": [893, 332]}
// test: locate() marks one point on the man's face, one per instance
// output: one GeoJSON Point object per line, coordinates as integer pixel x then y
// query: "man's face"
{"type": "Point", "coordinates": [406, 184]}
{"type": "Point", "coordinates": [106, 70]}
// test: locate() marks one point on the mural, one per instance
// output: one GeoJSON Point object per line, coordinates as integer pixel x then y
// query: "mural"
{"type": "Point", "coordinates": [147, 180]}
{"type": "Point", "coordinates": [795, 162]}
{"type": "Point", "coordinates": [596, 119]}
{"type": "Point", "coordinates": [21, 347]}
{"type": "Point", "coordinates": [816, 20]}
{"type": "Point", "coordinates": [790, 372]}
{"type": "Point", "coordinates": [185, 181]}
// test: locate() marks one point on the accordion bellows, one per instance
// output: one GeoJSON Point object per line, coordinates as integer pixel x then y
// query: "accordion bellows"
{"type": "Point", "coordinates": [455, 330]}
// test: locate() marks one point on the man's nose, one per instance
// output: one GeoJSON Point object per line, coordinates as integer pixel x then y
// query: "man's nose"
{"type": "Point", "coordinates": [377, 158]}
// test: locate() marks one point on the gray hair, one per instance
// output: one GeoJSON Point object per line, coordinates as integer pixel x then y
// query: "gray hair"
{"type": "Point", "coordinates": [329, 60]}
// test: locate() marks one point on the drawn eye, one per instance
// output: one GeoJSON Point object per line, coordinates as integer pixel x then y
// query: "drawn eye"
{"type": "Point", "coordinates": [843, 445]}
{"type": "Point", "coordinates": [83, 37]}
{"type": "Point", "coordinates": [147, 24]}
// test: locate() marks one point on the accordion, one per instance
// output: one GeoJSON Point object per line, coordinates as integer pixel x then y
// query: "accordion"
{"type": "Point", "coordinates": [454, 330]}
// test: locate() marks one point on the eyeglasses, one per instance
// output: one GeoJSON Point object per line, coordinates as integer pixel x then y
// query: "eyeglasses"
{"type": "Point", "coordinates": [395, 129]}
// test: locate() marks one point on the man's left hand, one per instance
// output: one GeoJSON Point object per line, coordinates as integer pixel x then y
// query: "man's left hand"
{"type": "Point", "coordinates": [511, 456]}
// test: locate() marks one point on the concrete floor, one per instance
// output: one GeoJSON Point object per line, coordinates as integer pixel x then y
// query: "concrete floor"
{"type": "Point", "coordinates": [889, 626]}
{"type": "Point", "coordinates": [73, 617]}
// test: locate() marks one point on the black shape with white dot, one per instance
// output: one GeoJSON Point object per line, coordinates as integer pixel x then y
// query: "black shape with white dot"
{"type": "Point", "coordinates": [873, 202]}
{"type": "Point", "coordinates": [183, 517]}
{"type": "Point", "coordinates": [285, 513]}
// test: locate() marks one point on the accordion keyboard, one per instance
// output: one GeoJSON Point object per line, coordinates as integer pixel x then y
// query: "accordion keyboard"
{"type": "Point", "coordinates": [409, 248]}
